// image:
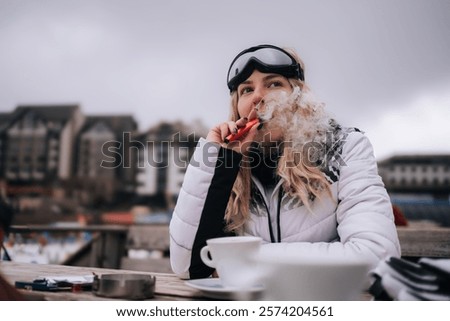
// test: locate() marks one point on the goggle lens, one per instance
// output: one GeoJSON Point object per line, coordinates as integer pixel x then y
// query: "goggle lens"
{"type": "Point", "coordinates": [265, 57]}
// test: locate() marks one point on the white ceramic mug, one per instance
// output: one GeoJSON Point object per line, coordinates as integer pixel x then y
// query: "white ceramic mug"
{"type": "Point", "coordinates": [299, 278]}
{"type": "Point", "coordinates": [233, 259]}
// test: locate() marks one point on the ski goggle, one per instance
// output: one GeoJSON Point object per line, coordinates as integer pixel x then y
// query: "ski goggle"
{"type": "Point", "coordinates": [265, 58]}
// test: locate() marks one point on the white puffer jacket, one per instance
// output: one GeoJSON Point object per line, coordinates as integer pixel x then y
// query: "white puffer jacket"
{"type": "Point", "coordinates": [356, 222]}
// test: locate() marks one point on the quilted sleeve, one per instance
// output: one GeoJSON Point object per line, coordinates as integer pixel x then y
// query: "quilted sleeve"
{"type": "Point", "coordinates": [200, 209]}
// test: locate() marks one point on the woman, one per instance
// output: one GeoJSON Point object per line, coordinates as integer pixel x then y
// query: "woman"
{"type": "Point", "coordinates": [297, 179]}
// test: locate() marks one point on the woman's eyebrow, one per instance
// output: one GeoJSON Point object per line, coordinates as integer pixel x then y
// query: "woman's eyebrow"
{"type": "Point", "coordinates": [265, 79]}
{"type": "Point", "coordinates": [246, 82]}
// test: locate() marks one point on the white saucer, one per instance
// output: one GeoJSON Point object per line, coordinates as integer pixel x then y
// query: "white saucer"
{"type": "Point", "coordinates": [213, 288]}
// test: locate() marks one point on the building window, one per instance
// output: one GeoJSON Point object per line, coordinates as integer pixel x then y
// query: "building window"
{"type": "Point", "coordinates": [29, 121]}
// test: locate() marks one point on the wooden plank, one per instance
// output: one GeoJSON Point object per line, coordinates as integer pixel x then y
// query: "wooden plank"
{"type": "Point", "coordinates": [424, 242]}
{"type": "Point", "coordinates": [160, 265]}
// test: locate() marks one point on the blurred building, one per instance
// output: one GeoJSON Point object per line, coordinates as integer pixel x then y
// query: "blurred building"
{"type": "Point", "coordinates": [37, 150]}
{"type": "Point", "coordinates": [51, 156]}
{"type": "Point", "coordinates": [419, 175]}
{"type": "Point", "coordinates": [165, 151]}
{"type": "Point", "coordinates": [419, 185]}
{"type": "Point", "coordinates": [104, 169]}
{"type": "Point", "coordinates": [55, 159]}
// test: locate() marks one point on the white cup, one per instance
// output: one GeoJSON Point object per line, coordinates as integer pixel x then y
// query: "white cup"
{"type": "Point", "coordinates": [233, 259]}
{"type": "Point", "coordinates": [296, 278]}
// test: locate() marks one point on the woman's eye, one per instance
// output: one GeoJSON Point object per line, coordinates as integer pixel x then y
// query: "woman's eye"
{"type": "Point", "coordinates": [245, 90]}
{"type": "Point", "coordinates": [275, 84]}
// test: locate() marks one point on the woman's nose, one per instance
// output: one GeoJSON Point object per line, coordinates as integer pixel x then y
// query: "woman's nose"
{"type": "Point", "coordinates": [258, 95]}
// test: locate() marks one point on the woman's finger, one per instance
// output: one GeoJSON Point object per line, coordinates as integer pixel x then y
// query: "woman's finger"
{"type": "Point", "coordinates": [224, 130]}
{"type": "Point", "coordinates": [241, 122]}
{"type": "Point", "coordinates": [232, 127]}
{"type": "Point", "coordinates": [252, 115]}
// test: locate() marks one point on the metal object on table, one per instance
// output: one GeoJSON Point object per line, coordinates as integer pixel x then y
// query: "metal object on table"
{"type": "Point", "coordinates": [124, 286]}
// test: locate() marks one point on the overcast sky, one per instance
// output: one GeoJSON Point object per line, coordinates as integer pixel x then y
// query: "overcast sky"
{"type": "Point", "coordinates": [380, 65]}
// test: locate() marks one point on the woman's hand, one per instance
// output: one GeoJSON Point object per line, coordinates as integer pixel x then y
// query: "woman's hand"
{"type": "Point", "coordinates": [219, 133]}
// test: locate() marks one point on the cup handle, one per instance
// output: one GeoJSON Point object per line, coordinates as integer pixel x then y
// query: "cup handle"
{"type": "Point", "coordinates": [205, 258]}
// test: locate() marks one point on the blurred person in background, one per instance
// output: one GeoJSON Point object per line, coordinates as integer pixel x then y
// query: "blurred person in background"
{"type": "Point", "coordinates": [7, 291]}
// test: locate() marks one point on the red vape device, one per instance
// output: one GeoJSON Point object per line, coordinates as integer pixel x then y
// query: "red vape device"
{"type": "Point", "coordinates": [242, 131]}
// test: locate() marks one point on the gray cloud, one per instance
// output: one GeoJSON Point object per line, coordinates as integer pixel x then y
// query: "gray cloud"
{"type": "Point", "coordinates": [168, 59]}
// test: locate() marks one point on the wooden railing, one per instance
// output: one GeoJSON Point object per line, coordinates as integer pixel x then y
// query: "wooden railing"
{"type": "Point", "coordinates": [110, 243]}
{"type": "Point", "coordinates": [424, 241]}
{"type": "Point", "coordinates": [105, 249]}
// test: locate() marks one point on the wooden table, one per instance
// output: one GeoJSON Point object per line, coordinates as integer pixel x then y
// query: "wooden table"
{"type": "Point", "coordinates": [168, 286]}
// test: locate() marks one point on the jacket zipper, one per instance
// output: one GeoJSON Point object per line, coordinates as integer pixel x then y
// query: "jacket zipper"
{"type": "Point", "coordinates": [272, 237]}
